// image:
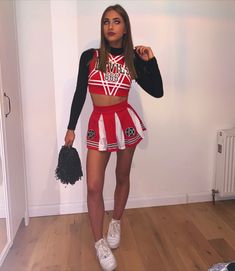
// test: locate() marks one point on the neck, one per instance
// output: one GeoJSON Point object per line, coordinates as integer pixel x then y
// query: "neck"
{"type": "Point", "coordinates": [116, 44]}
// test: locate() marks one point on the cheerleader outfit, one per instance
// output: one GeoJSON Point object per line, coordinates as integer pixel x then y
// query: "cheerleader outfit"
{"type": "Point", "coordinates": [115, 127]}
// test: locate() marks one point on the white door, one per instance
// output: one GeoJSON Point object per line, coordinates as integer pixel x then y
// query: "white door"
{"type": "Point", "coordinates": [13, 116]}
{"type": "Point", "coordinates": [5, 239]}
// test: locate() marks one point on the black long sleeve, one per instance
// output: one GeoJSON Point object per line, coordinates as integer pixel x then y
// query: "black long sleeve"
{"type": "Point", "coordinates": [81, 88]}
{"type": "Point", "coordinates": [149, 76]}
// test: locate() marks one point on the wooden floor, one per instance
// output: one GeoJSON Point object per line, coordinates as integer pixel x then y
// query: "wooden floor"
{"type": "Point", "coordinates": [170, 238]}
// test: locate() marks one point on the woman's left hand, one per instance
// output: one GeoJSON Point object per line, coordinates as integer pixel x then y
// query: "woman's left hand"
{"type": "Point", "coordinates": [144, 52]}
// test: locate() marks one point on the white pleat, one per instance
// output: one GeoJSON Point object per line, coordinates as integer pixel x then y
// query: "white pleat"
{"type": "Point", "coordinates": [119, 133]}
{"type": "Point", "coordinates": [137, 123]}
{"type": "Point", "coordinates": [103, 139]}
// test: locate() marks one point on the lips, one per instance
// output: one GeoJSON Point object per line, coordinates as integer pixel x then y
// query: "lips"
{"type": "Point", "coordinates": [111, 34]}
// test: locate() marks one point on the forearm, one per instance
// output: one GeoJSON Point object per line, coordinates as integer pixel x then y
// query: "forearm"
{"type": "Point", "coordinates": [149, 77]}
{"type": "Point", "coordinates": [76, 109]}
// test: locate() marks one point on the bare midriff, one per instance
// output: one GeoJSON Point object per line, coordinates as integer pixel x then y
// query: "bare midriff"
{"type": "Point", "coordinates": [106, 100]}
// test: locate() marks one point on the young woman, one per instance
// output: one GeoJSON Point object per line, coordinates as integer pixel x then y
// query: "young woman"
{"type": "Point", "coordinates": [114, 126]}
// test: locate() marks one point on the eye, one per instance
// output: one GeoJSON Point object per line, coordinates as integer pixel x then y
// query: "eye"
{"type": "Point", "coordinates": [117, 21]}
{"type": "Point", "coordinates": [106, 21]}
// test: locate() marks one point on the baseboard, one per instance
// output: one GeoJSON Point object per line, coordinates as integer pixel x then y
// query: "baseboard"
{"type": "Point", "coordinates": [218, 198]}
{"type": "Point", "coordinates": [133, 202]}
{"type": "Point", "coordinates": [57, 209]}
{"type": "Point", "coordinates": [199, 197]}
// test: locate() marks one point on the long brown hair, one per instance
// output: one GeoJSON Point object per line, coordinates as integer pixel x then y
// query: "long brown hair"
{"type": "Point", "coordinates": [127, 43]}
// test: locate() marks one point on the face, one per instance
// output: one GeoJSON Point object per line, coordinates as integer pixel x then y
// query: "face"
{"type": "Point", "coordinates": [114, 28]}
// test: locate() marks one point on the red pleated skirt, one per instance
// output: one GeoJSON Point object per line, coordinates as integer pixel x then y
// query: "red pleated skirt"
{"type": "Point", "coordinates": [113, 128]}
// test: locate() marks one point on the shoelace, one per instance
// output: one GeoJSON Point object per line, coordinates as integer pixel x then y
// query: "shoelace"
{"type": "Point", "coordinates": [114, 228]}
{"type": "Point", "coordinates": [103, 250]}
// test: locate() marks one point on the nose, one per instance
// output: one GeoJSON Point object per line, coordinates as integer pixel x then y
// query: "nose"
{"type": "Point", "coordinates": [110, 25]}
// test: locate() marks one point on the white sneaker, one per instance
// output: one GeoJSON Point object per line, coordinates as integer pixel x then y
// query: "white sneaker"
{"type": "Point", "coordinates": [105, 255]}
{"type": "Point", "coordinates": [114, 234]}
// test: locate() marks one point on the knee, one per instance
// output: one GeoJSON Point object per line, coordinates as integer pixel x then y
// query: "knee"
{"type": "Point", "coordinates": [94, 188]}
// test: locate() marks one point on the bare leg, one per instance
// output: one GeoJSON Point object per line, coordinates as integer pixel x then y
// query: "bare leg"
{"type": "Point", "coordinates": [124, 160]}
{"type": "Point", "coordinates": [96, 165]}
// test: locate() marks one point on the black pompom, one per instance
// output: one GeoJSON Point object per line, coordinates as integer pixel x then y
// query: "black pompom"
{"type": "Point", "coordinates": [69, 168]}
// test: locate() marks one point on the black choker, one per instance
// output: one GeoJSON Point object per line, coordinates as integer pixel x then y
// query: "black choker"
{"type": "Point", "coordinates": [116, 51]}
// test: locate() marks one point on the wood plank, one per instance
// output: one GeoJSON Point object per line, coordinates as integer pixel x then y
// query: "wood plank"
{"type": "Point", "coordinates": [166, 238]}
{"type": "Point", "coordinates": [212, 224]}
{"type": "Point", "coordinates": [147, 250]}
{"type": "Point", "coordinates": [191, 259]}
{"type": "Point", "coordinates": [226, 252]}
{"type": "Point", "coordinates": [166, 243]}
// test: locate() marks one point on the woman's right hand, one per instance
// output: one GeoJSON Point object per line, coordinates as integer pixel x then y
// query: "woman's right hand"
{"type": "Point", "coordinates": [69, 138]}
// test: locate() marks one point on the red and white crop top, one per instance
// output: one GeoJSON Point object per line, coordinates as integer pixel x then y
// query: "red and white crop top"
{"type": "Point", "coordinates": [116, 81]}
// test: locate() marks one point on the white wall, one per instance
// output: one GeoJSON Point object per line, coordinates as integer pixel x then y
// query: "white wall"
{"type": "Point", "coordinates": [194, 45]}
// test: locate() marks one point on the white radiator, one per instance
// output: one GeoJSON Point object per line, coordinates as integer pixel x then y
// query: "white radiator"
{"type": "Point", "coordinates": [225, 163]}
